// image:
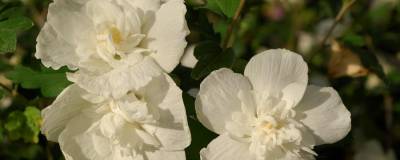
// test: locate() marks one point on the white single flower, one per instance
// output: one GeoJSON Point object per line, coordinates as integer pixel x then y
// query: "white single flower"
{"type": "Point", "coordinates": [145, 124]}
{"type": "Point", "coordinates": [101, 38]}
{"type": "Point", "coordinates": [270, 112]}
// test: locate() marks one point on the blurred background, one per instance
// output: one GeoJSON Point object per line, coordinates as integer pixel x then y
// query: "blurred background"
{"type": "Point", "coordinates": [351, 45]}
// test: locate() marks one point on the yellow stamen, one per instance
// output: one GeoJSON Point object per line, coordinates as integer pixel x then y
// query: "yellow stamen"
{"type": "Point", "coordinates": [116, 35]}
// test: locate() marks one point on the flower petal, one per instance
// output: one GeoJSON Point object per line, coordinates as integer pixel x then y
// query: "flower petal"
{"type": "Point", "coordinates": [117, 82]}
{"type": "Point", "coordinates": [146, 5]}
{"type": "Point", "coordinates": [272, 72]}
{"type": "Point", "coordinates": [225, 148]}
{"type": "Point", "coordinates": [189, 60]}
{"type": "Point", "coordinates": [54, 51]}
{"type": "Point", "coordinates": [103, 12]}
{"type": "Point", "coordinates": [165, 155]}
{"type": "Point", "coordinates": [167, 35]}
{"type": "Point", "coordinates": [324, 113]}
{"type": "Point", "coordinates": [60, 40]}
{"type": "Point", "coordinates": [172, 129]}
{"type": "Point", "coordinates": [59, 113]}
{"type": "Point", "coordinates": [219, 98]}
{"type": "Point", "coordinates": [69, 142]}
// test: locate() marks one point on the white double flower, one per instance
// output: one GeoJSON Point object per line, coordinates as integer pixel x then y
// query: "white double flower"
{"type": "Point", "coordinates": [122, 105]}
{"type": "Point", "coordinates": [148, 123]}
{"type": "Point", "coordinates": [270, 113]}
{"type": "Point", "coordinates": [110, 41]}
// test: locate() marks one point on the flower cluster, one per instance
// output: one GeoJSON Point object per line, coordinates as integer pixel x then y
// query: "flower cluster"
{"type": "Point", "coordinates": [123, 105]}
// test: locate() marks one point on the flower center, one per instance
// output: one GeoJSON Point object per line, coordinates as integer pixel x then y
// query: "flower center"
{"type": "Point", "coordinates": [270, 127]}
{"type": "Point", "coordinates": [115, 44]}
{"type": "Point", "coordinates": [116, 35]}
{"type": "Point", "coordinates": [134, 109]}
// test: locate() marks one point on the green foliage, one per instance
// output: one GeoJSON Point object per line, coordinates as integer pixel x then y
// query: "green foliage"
{"type": "Point", "coordinates": [11, 12]}
{"type": "Point", "coordinates": [8, 41]}
{"type": "Point", "coordinates": [50, 82]}
{"type": "Point", "coordinates": [195, 2]}
{"type": "Point", "coordinates": [223, 7]}
{"type": "Point", "coordinates": [211, 57]}
{"type": "Point", "coordinates": [353, 40]}
{"type": "Point", "coordinates": [16, 24]}
{"type": "Point", "coordinates": [228, 7]}
{"type": "Point", "coordinates": [11, 23]}
{"type": "Point", "coordinates": [220, 28]}
{"type": "Point", "coordinates": [24, 125]}
{"type": "Point", "coordinates": [212, 5]}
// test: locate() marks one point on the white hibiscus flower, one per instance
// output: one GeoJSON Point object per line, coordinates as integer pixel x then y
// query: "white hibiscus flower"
{"type": "Point", "coordinates": [145, 124]}
{"type": "Point", "coordinates": [270, 113]}
{"type": "Point", "coordinates": [110, 39]}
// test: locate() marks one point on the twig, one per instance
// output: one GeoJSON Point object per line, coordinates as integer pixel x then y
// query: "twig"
{"type": "Point", "coordinates": [338, 18]}
{"type": "Point", "coordinates": [232, 25]}
{"type": "Point", "coordinates": [6, 88]}
{"type": "Point", "coordinates": [346, 7]}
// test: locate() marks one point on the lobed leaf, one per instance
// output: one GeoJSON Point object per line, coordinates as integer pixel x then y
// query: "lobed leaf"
{"type": "Point", "coordinates": [211, 57]}
{"type": "Point", "coordinates": [50, 83]}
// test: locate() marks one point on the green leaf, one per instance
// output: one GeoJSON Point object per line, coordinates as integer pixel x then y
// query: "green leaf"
{"type": "Point", "coordinates": [24, 125]}
{"type": "Point", "coordinates": [211, 57]}
{"type": "Point", "coordinates": [16, 24]}
{"type": "Point", "coordinates": [33, 121]}
{"type": "Point", "coordinates": [11, 12]}
{"type": "Point", "coordinates": [222, 7]}
{"type": "Point", "coordinates": [353, 40]}
{"type": "Point", "coordinates": [221, 27]}
{"type": "Point", "coordinates": [8, 41]}
{"type": "Point", "coordinates": [228, 7]}
{"type": "Point", "coordinates": [9, 29]}
{"type": "Point", "coordinates": [195, 2]}
{"type": "Point", "coordinates": [14, 121]}
{"type": "Point", "coordinates": [213, 6]}
{"type": "Point", "coordinates": [51, 83]}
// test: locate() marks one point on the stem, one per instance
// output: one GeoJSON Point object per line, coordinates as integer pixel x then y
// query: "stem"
{"type": "Point", "coordinates": [235, 19]}
{"type": "Point", "coordinates": [345, 8]}
{"type": "Point", "coordinates": [6, 87]}
{"type": "Point", "coordinates": [338, 18]}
